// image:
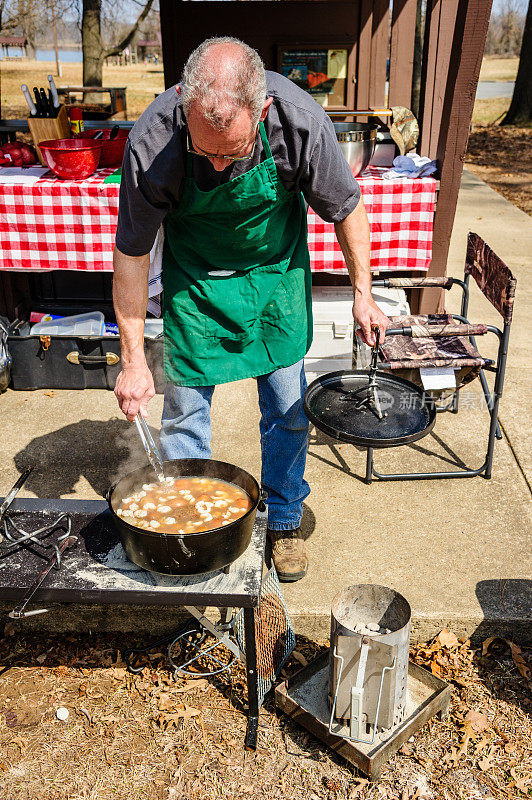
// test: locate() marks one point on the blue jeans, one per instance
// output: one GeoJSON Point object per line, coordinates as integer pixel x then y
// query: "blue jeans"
{"type": "Point", "coordinates": [186, 433]}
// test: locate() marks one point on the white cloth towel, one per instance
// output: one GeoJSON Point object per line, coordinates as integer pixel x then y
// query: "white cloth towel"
{"type": "Point", "coordinates": [22, 174]}
{"type": "Point", "coordinates": [411, 166]}
{"type": "Point", "coordinates": [155, 284]}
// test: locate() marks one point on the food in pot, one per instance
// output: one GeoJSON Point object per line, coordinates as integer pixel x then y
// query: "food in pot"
{"type": "Point", "coordinates": [185, 505]}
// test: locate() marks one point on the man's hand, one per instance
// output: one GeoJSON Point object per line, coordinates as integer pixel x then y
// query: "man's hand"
{"type": "Point", "coordinates": [134, 386]}
{"type": "Point", "coordinates": [134, 389]}
{"type": "Point", "coordinates": [366, 313]}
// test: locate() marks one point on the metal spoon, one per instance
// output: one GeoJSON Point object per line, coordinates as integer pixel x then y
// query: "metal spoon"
{"type": "Point", "coordinates": [149, 445]}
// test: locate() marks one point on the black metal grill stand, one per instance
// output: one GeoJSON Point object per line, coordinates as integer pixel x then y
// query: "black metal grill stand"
{"type": "Point", "coordinates": [87, 577]}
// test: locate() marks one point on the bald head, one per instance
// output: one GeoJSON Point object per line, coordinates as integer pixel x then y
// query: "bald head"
{"type": "Point", "coordinates": [222, 78]}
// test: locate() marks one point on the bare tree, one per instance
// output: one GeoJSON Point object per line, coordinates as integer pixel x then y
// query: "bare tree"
{"type": "Point", "coordinates": [94, 50]}
{"type": "Point", "coordinates": [505, 28]}
{"type": "Point", "coordinates": [23, 17]}
{"type": "Point", "coordinates": [520, 111]}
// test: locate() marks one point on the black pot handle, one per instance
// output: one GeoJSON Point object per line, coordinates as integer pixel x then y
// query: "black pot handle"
{"type": "Point", "coordinates": [263, 496]}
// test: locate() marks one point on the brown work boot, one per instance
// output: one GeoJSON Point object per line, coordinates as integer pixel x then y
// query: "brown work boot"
{"type": "Point", "coordinates": [289, 555]}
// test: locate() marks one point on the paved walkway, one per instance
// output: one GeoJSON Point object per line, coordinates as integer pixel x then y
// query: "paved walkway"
{"type": "Point", "coordinates": [458, 550]}
{"type": "Point", "coordinates": [488, 89]}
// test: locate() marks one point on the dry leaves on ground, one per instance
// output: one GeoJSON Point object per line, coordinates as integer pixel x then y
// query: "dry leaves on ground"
{"type": "Point", "coordinates": [517, 654]}
{"type": "Point", "coordinates": [502, 156]}
{"type": "Point", "coordinates": [149, 737]}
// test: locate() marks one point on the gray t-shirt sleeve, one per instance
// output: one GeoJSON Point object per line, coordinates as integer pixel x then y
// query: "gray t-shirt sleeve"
{"type": "Point", "coordinates": [141, 210]}
{"type": "Point", "coordinates": [327, 183]}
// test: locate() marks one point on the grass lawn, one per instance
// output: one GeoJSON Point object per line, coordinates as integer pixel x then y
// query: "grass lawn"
{"type": "Point", "coordinates": [498, 69]}
{"type": "Point", "coordinates": [502, 156]}
{"type": "Point", "coordinates": [142, 83]}
{"type": "Point", "coordinates": [487, 111]}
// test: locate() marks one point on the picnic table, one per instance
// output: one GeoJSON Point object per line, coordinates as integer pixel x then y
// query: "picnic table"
{"type": "Point", "coordinates": [53, 224]}
{"type": "Point", "coordinates": [116, 106]}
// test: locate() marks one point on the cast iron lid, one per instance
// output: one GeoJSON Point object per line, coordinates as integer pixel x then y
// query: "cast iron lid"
{"type": "Point", "coordinates": [337, 404]}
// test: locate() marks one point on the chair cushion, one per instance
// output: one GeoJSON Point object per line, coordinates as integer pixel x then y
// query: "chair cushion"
{"type": "Point", "coordinates": [404, 352]}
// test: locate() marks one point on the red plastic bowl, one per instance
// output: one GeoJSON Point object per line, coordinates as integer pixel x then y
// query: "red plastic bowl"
{"type": "Point", "coordinates": [73, 159]}
{"type": "Point", "coordinates": [112, 150]}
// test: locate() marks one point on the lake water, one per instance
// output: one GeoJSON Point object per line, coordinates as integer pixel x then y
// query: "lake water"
{"type": "Point", "coordinates": [66, 56]}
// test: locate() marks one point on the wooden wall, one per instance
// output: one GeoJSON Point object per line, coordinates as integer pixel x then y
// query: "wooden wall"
{"type": "Point", "coordinates": [375, 31]}
{"type": "Point", "coordinates": [373, 34]}
{"type": "Point", "coordinates": [263, 25]}
{"type": "Point", "coordinates": [362, 25]}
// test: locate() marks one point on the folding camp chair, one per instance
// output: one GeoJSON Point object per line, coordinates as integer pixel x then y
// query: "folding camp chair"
{"type": "Point", "coordinates": [445, 340]}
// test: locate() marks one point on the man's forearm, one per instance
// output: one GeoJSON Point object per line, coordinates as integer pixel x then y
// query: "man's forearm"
{"type": "Point", "coordinates": [353, 237]}
{"type": "Point", "coordinates": [130, 298]}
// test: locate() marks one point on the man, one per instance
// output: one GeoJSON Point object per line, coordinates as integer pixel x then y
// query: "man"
{"type": "Point", "coordinates": [226, 160]}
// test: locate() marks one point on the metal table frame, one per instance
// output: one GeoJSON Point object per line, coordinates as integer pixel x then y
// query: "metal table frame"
{"type": "Point", "coordinates": [85, 579]}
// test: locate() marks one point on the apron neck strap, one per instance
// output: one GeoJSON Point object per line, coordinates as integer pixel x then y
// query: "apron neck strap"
{"type": "Point", "coordinates": [264, 140]}
{"type": "Point", "coordinates": [188, 157]}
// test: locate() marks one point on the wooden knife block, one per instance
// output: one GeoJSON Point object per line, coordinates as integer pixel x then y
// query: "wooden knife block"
{"type": "Point", "coordinates": [42, 128]}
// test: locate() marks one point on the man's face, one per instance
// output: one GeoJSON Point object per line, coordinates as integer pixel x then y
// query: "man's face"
{"type": "Point", "coordinates": [235, 140]}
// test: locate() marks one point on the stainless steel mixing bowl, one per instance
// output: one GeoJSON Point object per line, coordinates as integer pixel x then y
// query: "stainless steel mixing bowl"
{"type": "Point", "coordinates": [357, 143]}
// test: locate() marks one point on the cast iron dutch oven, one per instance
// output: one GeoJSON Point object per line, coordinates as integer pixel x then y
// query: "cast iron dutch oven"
{"type": "Point", "coordinates": [193, 553]}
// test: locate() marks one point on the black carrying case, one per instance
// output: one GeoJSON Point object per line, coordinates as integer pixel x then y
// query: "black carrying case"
{"type": "Point", "coordinates": [75, 362]}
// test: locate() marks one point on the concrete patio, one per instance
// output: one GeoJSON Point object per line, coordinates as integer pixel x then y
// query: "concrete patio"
{"type": "Point", "coordinates": [458, 550]}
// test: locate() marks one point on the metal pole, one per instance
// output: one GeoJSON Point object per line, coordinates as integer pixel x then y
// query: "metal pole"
{"type": "Point", "coordinates": [251, 674]}
{"type": "Point", "coordinates": [57, 64]}
{"type": "Point", "coordinates": [497, 393]}
{"type": "Point", "coordinates": [369, 465]}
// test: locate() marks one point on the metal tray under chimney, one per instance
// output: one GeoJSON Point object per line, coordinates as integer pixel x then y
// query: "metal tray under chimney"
{"type": "Point", "coordinates": [304, 699]}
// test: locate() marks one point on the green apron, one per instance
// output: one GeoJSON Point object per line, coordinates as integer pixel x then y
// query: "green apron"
{"type": "Point", "coordinates": [237, 293]}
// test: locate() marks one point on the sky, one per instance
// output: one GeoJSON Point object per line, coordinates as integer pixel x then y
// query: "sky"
{"type": "Point", "coordinates": [499, 5]}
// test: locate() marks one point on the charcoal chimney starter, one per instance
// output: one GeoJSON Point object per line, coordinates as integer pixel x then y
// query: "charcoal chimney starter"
{"type": "Point", "coordinates": [368, 660]}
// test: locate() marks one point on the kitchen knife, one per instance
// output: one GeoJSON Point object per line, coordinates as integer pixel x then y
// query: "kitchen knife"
{"type": "Point", "coordinates": [46, 106]}
{"type": "Point", "coordinates": [55, 96]}
{"type": "Point", "coordinates": [38, 103]}
{"type": "Point", "coordinates": [31, 105]}
{"type": "Point", "coordinates": [53, 110]}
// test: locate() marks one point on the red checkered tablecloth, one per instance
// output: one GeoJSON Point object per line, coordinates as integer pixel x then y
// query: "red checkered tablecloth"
{"type": "Point", "coordinates": [56, 224]}
{"type": "Point", "coordinates": [400, 212]}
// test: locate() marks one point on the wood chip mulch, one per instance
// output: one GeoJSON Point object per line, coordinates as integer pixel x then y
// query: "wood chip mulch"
{"type": "Point", "coordinates": [150, 737]}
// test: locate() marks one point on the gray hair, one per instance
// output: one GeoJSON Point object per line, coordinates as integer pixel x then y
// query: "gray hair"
{"type": "Point", "coordinates": [221, 92]}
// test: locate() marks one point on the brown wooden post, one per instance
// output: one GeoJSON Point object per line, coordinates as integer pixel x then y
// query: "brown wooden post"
{"type": "Point", "coordinates": [402, 52]}
{"type": "Point", "coordinates": [440, 28]}
{"type": "Point", "coordinates": [364, 56]}
{"type": "Point", "coordinates": [446, 117]}
{"type": "Point", "coordinates": [380, 37]}
{"type": "Point", "coordinates": [372, 54]}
